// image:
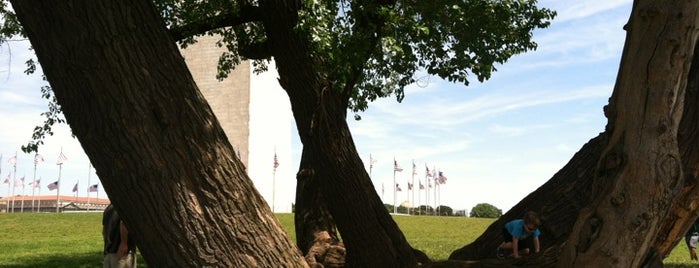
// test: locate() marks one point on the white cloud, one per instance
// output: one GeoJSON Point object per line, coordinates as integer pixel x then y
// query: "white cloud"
{"type": "Point", "coordinates": [578, 10]}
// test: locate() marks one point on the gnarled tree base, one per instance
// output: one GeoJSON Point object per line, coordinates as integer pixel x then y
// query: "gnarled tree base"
{"type": "Point", "coordinates": [326, 251]}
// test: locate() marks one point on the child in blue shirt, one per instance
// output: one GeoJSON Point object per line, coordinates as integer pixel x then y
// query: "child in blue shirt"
{"type": "Point", "coordinates": [520, 236]}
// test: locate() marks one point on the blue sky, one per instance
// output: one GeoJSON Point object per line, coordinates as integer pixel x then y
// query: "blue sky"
{"type": "Point", "coordinates": [495, 141]}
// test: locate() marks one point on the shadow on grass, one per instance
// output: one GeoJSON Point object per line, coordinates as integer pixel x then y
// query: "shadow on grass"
{"type": "Point", "coordinates": [680, 265]}
{"type": "Point", "coordinates": [86, 260]}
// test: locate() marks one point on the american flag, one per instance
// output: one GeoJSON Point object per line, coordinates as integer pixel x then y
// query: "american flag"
{"type": "Point", "coordinates": [396, 167]}
{"type": "Point", "coordinates": [75, 188]}
{"type": "Point", "coordinates": [422, 187]}
{"type": "Point", "coordinates": [61, 159]}
{"type": "Point", "coordinates": [427, 171]}
{"type": "Point", "coordinates": [38, 158]}
{"type": "Point", "coordinates": [276, 161]}
{"type": "Point", "coordinates": [7, 180]}
{"type": "Point", "coordinates": [19, 182]}
{"type": "Point", "coordinates": [398, 188]}
{"type": "Point", "coordinates": [13, 161]}
{"type": "Point", "coordinates": [372, 161]}
{"type": "Point", "coordinates": [92, 188]}
{"type": "Point", "coordinates": [35, 184]}
{"type": "Point", "coordinates": [53, 186]}
{"type": "Point", "coordinates": [441, 179]}
{"type": "Point", "coordinates": [410, 186]}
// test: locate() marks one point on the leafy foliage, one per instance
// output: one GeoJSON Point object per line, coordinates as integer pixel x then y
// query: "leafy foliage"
{"type": "Point", "coordinates": [52, 116]}
{"type": "Point", "coordinates": [485, 210]}
{"type": "Point", "coordinates": [374, 49]}
{"type": "Point", "coordinates": [445, 210]}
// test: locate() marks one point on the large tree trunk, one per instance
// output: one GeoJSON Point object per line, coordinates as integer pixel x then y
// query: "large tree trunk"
{"type": "Point", "coordinates": [562, 197]}
{"type": "Point", "coordinates": [558, 202]}
{"type": "Point", "coordinates": [684, 210]}
{"type": "Point", "coordinates": [371, 236]}
{"type": "Point", "coordinates": [575, 180]}
{"type": "Point", "coordinates": [316, 233]}
{"type": "Point", "coordinates": [639, 174]}
{"type": "Point", "coordinates": [158, 149]}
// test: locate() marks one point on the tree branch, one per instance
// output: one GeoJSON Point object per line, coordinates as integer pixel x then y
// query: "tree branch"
{"type": "Point", "coordinates": [256, 51]}
{"type": "Point", "coordinates": [247, 14]}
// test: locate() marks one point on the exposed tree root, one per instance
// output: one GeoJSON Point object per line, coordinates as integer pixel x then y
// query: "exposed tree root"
{"type": "Point", "coordinates": [326, 252]}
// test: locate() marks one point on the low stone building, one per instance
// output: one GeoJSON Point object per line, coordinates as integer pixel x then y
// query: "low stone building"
{"type": "Point", "coordinates": [47, 203]}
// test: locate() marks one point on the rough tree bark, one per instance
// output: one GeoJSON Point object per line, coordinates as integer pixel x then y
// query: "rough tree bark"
{"type": "Point", "coordinates": [573, 184]}
{"type": "Point", "coordinates": [639, 174]}
{"type": "Point", "coordinates": [369, 233]}
{"type": "Point", "coordinates": [316, 233]}
{"type": "Point", "coordinates": [684, 210]}
{"type": "Point", "coordinates": [569, 190]}
{"type": "Point", "coordinates": [155, 143]}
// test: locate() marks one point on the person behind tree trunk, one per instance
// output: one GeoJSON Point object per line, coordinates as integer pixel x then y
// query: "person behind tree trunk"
{"type": "Point", "coordinates": [692, 238]}
{"type": "Point", "coordinates": [521, 236]}
{"type": "Point", "coordinates": [119, 246]}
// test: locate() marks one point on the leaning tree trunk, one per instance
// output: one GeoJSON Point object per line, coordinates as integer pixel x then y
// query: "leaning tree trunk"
{"type": "Point", "coordinates": [158, 149]}
{"type": "Point", "coordinates": [573, 185]}
{"type": "Point", "coordinates": [639, 174]}
{"type": "Point", "coordinates": [558, 202]}
{"type": "Point", "coordinates": [684, 210]}
{"type": "Point", "coordinates": [369, 233]}
{"type": "Point", "coordinates": [560, 199]}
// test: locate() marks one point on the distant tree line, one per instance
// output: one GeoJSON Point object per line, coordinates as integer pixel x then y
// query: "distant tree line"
{"type": "Point", "coordinates": [481, 210]}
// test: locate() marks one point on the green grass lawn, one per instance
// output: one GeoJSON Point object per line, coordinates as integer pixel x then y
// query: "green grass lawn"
{"type": "Point", "coordinates": [75, 240]}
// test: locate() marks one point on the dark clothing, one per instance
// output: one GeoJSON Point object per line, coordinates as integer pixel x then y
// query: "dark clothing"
{"type": "Point", "coordinates": [693, 231]}
{"type": "Point", "coordinates": [112, 235]}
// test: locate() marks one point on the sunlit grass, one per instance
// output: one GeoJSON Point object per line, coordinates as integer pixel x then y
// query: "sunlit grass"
{"type": "Point", "coordinates": [439, 236]}
{"type": "Point", "coordinates": [75, 240]}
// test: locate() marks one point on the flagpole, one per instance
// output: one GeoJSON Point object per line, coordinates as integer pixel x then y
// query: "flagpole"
{"type": "Point", "coordinates": [434, 179]}
{"type": "Point", "coordinates": [8, 191]}
{"type": "Point", "coordinates": [395, 164]}
{"type": "Point", "coordinates": [58, 184]}
{"type": "Point", "coordinates": [436, 184]}
{"type": "Point", "coordinates": [407, 193]}
{"type": "Point", "coordinates": [418, 197]}
{"type": "Point", "coordinates": [14, 182]}
{"type": "Point", "coordinates": [371, 164]}
{"type": "Point", "coordinates": [436, 198]}
{"type": "Point", "coordinates": [38, 185]}
{"type": "Point", "coordinates": [274, 177]}
{"type": "Point", "coordinates": [89, 170]}
{"type": "Point", "coordinates": [412, 189]}
{"type": "Point", "coordinates": [427, 190]}
{"type": "Point", "coordinates": [36, 161]}
{"type": "Point", "coordinates": [21, 207]}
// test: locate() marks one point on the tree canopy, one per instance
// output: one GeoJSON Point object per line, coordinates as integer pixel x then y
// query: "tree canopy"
{"type": "Point", "coordinates": [373, 49]}
{"type": "Point", "coordinates": [485, 210]}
